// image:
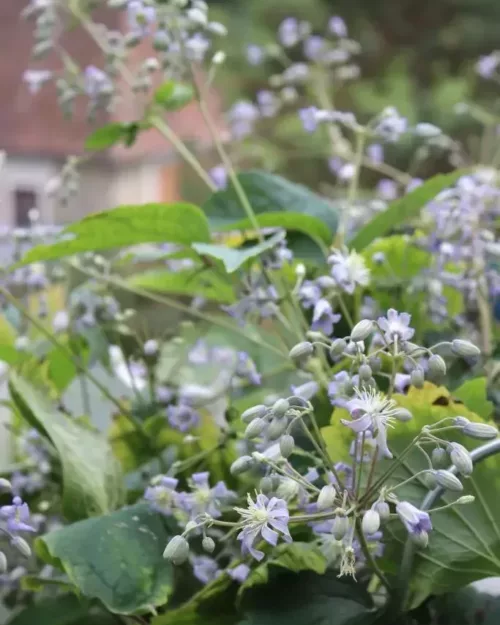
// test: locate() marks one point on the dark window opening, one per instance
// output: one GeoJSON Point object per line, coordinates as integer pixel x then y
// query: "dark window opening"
{"type": "Point", "coordinates": [25, 200]}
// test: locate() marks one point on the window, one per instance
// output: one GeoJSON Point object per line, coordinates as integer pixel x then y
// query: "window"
{"type": "Point", "coordinates": [25, 200]}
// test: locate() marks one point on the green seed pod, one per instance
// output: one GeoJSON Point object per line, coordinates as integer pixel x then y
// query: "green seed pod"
{"type": "Point", "coordinates": [177, 550]}
{"type": "Point", "coordinates": [464, 348]}
{"type": "Point", "coordinates": [242, 465]}
{"type": "Point", "coordinates": [287, 445]}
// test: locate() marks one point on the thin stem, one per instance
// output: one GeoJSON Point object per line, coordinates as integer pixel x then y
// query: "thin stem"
{"type": "Point", "coordinates": [361, 464]}
{"type": "Point", "coordinates": [345, 311]}
{"type": "Point", "coordinates": [369, 557]}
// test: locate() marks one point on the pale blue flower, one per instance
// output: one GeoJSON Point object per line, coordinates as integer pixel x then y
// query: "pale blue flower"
{"type": "Point", "coordinates": [162, 495]}
{"type": "Point", "coordinates": [416, 521]}
{"type": "Point", "coordinates": [324, 318]}
{"type": "Point", "coordinates": [17, 516]}
{"type": "Point", "coordinates": [396, 325]}
{"type": "Point", "coordinates": [205, 569]}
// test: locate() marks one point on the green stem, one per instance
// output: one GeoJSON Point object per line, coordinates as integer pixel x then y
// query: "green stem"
{"type": "Point", "coordinates": [369, 557]}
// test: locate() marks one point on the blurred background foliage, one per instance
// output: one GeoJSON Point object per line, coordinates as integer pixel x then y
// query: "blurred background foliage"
{"type": "Point", "coordinates": [417, 55]}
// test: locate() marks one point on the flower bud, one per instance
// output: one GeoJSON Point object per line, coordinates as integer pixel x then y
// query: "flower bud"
{"type": "Point", "coordinates": [287, 445]}
{"type": "Point", "coordinates": [315, 336]}
{"type": "Point", "coordinates": [190, 526]}
{"type": "Point", "coordinates": [241, 465]}
{"type": "Point", "coordinates": [447, 480]}
{"type": "Point", "coordinates": [21, 545]}
{"type": "Point", "coordinates": [461, 421]}
{"type": "Point", "coordinates": [402, 414]}
{"type": "Point", "coordinates": [371, 522]}
{"type": "Point", "coordinates": [177, 550]}
{"type": "Point", "coordinates": [255, 428]}
{"type": "Point", "coordinates": [382, 507]}
{"type": "Point", "coordinates": [439, 458]}
{"type": "Point", "coordinates": [208, 544]}
{"type": "Point", "coordinates": [375, 363]}
{"type": "Point", "coordinates": [3, 563]}
{"type": "Point", "coordinates": [219, 57]}
{"type": "Point", "coordinates": [337, 348]}
{"type": "Point", "coordinates": [362, 330]}
{"type": "Point", "coordinates": [5, 484]}
{"type": "Point", "coordinates": [417, 377]}
{"type": "Point", "coordinates": [430, 480]}
{"type": "Point", "coordinates": [280, 408]}
{"type": "Point", "coordinates": [413, 349]}
{"type": "Point", "coordinates": [300, 270]}
{"type": "Point", "coordinates": [276, 428]}
{"type": "Point", "coordinates": [365, 372]}
{"type": "Point", "coordinates": [340, 525]}
{"type": "Point", "coordinates": [464, 348]}
{"type": "Point", "coordinates": [301, 351]}
{"type": "Point", "coordinates": [437, 366]}
{"type": "Point", "coordinates": [421, 539]}
{"type": "Point", "coordinates": [254, 413]}
{"type": "Point", "coordinates": [461, 458]}
{"type": "Point", "coordinates": [326, 497]}
{"type": "Point", "coordinates": [480, 430]}
{"type": "Point", "coordinates": [266, 485]}
{"type": "Point", "coordinates": [465, 499]}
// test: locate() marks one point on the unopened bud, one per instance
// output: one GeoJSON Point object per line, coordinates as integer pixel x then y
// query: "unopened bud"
{"type": "Point", "coordinates": [301, 351]}
{"type": "Point", "coordinates": [287, 444]}
{"type": "Point", "coordinates": [300, 270]}
{"type": "Point", "coordinates": [255, 428]}
{"type": "Point", "coordinates": [465, 499]}
{"type": "Point", "coordinates": [338, 347]}
{"type": "Point", "coordinates": [254, 413]}
{"type": "Point", "coordinates": [413, 349]}
{"type": "Point", "coordinates": [382, 507]}
{"type": "Point", "coordinates": [417, 377]}
{"type": "Point", "coordinates": [340, 525]}
{"type": "Point", "coordinates": [362, 330]}
{"type": "Point", "coordinates": [439, 458]}
{"type": "Point", "coordinates": [219, 58]}
{"type": "Point", "coordinates": [208, 544]}
{"type": "Point", "coordinates": [421, 539]}
{"type": "Point", "coordinates": [402, 414]}
{"type": "Point", "coordinates": [480, 430]}
{"type": "Point", "coordinates": [21, 545]}
{"type": "Point", "coordinates": [315, 336]}
{"type": "Point", "coordinates": [464, 348]}
{"type": "Point", "coordinates": [5, 484]}
{"type": "Point", "coordinates": [437, 366]}
{"type": "Point", "coordinates": [365, 372]}
{"type": "Point", "coordinates": [177, 550]}
{"type": "Point", "coordinates": [371, 522]}
{"type": "Point", "coordinates": [447, 480]}
{"type": "Point", "coordinates": [190, 526]}
{"type": "Point", "coordinates": [242, 465]}
{"type": "Point", "coordinates": [326, 497]}
{"type": "Point", "coordinates": [266, 485]}
{"type": "Point", "coordinates": [461, 458]}
{"type": "Point", "coordinates": [3, 563]}
{"type": "Point", "coordinates": [276, 428]}
{"type": "Point", "coordinates": [375, 363]}
{"type": "Point", "coordinates": [280, 408]}
{"type": "Point", "coordinates": [430, 480]}
{"type": "Point", "coordinates": [461, 421]}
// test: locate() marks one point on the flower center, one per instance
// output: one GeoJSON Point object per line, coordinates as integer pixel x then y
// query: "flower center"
{"type": "Point", "coordinates": [261, 516]}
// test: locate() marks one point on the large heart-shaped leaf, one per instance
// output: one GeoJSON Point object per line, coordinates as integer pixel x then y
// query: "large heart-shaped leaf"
{"type": "Point", "coordinates": [195, 282]}
{"type": "Point", "coordinates": [402, 210]}
{"type": "Point", "coordinates": [465, 543]}
{"type": "Point", "coordinates": [115, 558]}
{"type": "Point", "coordinates": [273, 195]}
{"type": "Point", "coordinates": [474, 394]}
{"type": "Point", "coordinates": [92, 478]}
{"type": "Point", "coordinates": [124, 226]}
{"type": "Point", "coordinates": [233, 258]}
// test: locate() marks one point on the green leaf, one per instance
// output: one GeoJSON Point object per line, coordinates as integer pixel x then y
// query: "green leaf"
{"type": "Point", "coordinates": [294, 557]}
{"type": "Point", "coordinates": [195, 282]}
{"type": "Point", "coordinates": [232, 258]}
{"type": "Point", "coordinates": [105, 137]}
{"type": "Point", "coordinates": [61, 610]}
{"type": "Point", "coordinates": [271, 194]}
{"type": "Point", "coordinates": [474, 395]}
{"type": "Point", "coordinates": [306, 598]}
{"type": "Point", "coordinates": [115, 558]}
{"type": "Point", "coordinates": [478, 603]}
{"type": "Point", "coordinates": [92, 479]}
{"type": "Point", "coordinates": [173, 95]}
{"type": "Point", "coordinates": [403, 210]}
{"type": "Point", "coordinates": [124, 226]}
{"type": "Point", "coordinates": [465, 543]}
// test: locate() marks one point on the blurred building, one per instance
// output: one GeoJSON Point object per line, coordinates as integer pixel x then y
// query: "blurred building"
{"type": "Point", "coordinates": [38, 139]}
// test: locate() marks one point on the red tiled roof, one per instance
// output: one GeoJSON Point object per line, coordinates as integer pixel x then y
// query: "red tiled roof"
{"type": "Point", "coordinates": [34, 125]}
